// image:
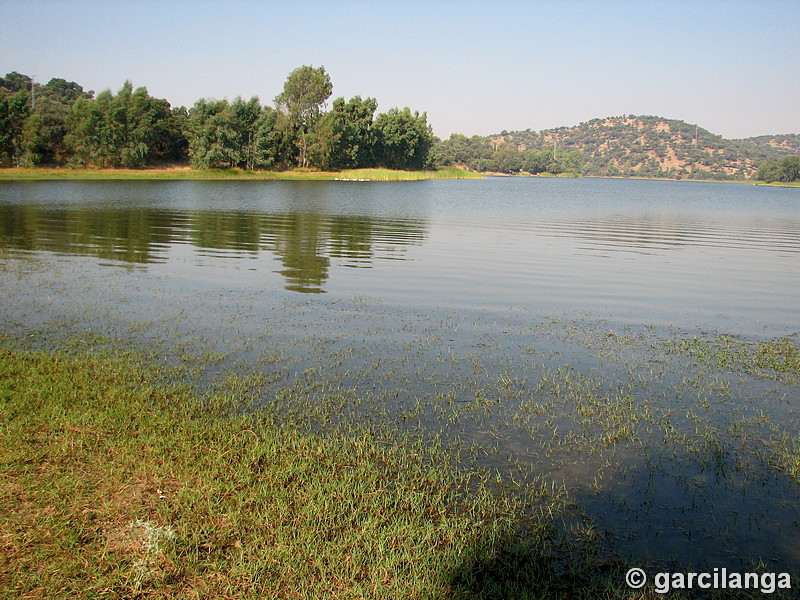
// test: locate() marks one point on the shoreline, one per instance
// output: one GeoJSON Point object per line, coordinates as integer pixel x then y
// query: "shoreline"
{"type": "Point", "coordinates": [348, 175]}
{"type": "Point", "coordinates": [187, 173]}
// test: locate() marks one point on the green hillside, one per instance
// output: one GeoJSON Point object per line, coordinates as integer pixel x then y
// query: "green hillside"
{"type": "Point", "coordinates": [631, 146]}
{"type": "Point", "coordinates": [657, 147]}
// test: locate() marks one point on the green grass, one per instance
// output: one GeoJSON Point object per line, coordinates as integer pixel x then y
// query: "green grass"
{"type": "Point", "coordinates": [392, 175]}
{"type": "Point", "coordinates": [36, 174]}
{"type": "Point", "coordinates": [779, 183]}
{"type": "Point", "coordinates": [114, 486]}
{"type": "Point", "coordinates": [771, 359]}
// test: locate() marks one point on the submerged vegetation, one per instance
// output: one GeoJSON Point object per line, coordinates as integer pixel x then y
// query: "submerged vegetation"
{"type": "Point", "coordinates": [773, 359]}
{"type": "Point", "coordinates": [115, 484]}
{"type": "Point", "coordinates": [318, 469]}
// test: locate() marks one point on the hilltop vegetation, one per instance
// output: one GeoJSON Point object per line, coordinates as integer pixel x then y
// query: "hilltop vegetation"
{"type": "Point", "coordinates": [643, 146]}
{"type": "Point", "coordinates": [59, 123]}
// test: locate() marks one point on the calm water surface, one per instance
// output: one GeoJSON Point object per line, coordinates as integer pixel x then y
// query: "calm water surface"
{"type": "Point", "coordinates": [683, 254]}
{"type": "Point", "coordinates": [488, 311]}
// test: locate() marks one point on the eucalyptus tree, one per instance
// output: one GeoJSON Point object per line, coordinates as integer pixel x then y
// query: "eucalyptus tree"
{"type": "Point", "coordinates": [241, 133]}
{"type": "Point", "coordinates": [269, 143]}
{"type": "Point", "coordinates": [212, 135]}
{"type": "Point", "coordinates": [14, 110]}
{"type": "Point", "coordinates": [45, 128]}
{"type": "Point", "coordinates": [304, 93]}
{"type": "Point", "coordinates": [507, 158]}
{"type": "Point", "coordinates": [786, 170]}
{"type": "Point", "coordinates": [403, 139]}
{"type": "Point", "coordinates": [84, 137]}
{"type": "Point", "coordinates": [354, 146]}
{"type": "Point", "coordinates": [127, 129]}
{"type": "Point", "coordinates": [789, 169]}
{"type": "Point", "coordinates": [141, 125]}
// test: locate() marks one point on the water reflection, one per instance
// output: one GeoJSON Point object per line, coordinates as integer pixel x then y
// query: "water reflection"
{"type": "Point", "coordinates": [303, 242]}
{"type": "Point", "coordinates": [632, 250]}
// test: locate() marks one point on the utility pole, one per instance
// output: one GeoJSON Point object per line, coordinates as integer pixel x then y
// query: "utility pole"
{"type": "Point", "coordinates": [33, 93]}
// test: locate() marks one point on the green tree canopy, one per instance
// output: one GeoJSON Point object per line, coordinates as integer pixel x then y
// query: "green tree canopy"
{"type": "Point", "coordinates": [304, 93]}
{"type": "Point", "coordinates": [131, 129]}
{"type": "Point", "coordinates": [403, 139]}
{"type": "Point", "coordinates": [60, 123]}
{"type": "Point", "coordinates": [352, 123]}
{"type": "Point", "coordinates": [14, 110]}
{"type": "Point", "coordinates": [786, 170]}
{"type": "Point", "coordinates": [241, 133]}
{"type": "Point", "coordinates": [45, 129]}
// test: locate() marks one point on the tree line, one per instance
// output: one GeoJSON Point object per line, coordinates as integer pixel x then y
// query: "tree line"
{"type": "Point", "coordinates": [486, 154]}
{"type": "Point", "coordinates": [60, 123]}
{"type": "Point", "coordinates": [786, 170]}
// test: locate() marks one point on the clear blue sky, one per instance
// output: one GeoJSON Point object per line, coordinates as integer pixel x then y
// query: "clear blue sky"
{"type": "Point", "coordinates": [475, 67]}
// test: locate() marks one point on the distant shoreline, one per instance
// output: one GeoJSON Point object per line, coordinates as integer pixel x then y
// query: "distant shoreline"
{"type": "Point", "coordinates": [351, 175]}
{"type": "Point", "coordinates": [187, 173]}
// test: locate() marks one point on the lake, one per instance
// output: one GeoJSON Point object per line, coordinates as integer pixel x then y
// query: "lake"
{"type": "Point", "coordinates": [667, 253]}
{"type": "Point", "coordinates": [534, 320]}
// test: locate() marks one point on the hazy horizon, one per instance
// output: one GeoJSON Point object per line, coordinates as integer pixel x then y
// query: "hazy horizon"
{"type": "Point", "coordinates": [474, 67]}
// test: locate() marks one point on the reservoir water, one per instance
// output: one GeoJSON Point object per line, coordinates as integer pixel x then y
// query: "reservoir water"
{"type": "Point", "coordinates": [536, 319]}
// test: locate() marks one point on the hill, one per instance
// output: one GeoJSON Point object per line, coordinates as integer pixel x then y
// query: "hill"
{"type": "Point", "coordinates": [656, 147]}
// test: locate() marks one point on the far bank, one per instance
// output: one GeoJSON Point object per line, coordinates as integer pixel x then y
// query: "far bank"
{"type": "Point", "coordinates": [33, 174]}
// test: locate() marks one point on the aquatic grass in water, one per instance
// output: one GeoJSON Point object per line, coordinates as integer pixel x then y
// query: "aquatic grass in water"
{"type": "Point", "coordinates": [772, 359]}
{"type": "Point", "coordinates": [114, 485]}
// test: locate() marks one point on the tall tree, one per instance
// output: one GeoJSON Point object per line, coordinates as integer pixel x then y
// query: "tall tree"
{"type": "Point", "coordinates": [403, 139]}
{"type": "Point", "coordinates": [304, 93]}
{"type": "Point", "coordinates": [224, 135]}
{"type": "Point", "coordinates": [786, 170]}
{"type": "Point", "coordinates": [84, 124]}
{"type": "Point", "coordinates": [45, 129]}
{"type": "Point", "coordinates": [126, 130]}
{"type": "Point", "coordinates": [269, 145]}
{"type": "Point", "coordinates": [211, 134]}
{"type": "Point", "coordinates": [352, 122]}
{"type": "Point", "coordinates": [14, 82]}
{"type": "Point", "coordinates": [789, 169]}
{"type": "Point", "coordinates": [507, 158]}
{"type": "Point", "coordinates": [14, 110]}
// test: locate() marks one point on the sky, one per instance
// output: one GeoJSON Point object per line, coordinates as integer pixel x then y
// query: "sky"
{"type": "Point", "coordinates": [475, 67]}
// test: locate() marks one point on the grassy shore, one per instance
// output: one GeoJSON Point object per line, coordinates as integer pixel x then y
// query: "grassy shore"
{"type": "Point", "coordinates": [238, 174]}
{"type": "Point", "coordinates": [780, 184]}
{"type": "Point", "coordinates": [115, 486]}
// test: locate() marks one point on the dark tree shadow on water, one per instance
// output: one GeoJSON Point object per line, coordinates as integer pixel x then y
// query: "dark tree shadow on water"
{"type": "Point", "coordinates": [517, 569]}
{"type": "Point", "coordinates": [687, 513]}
